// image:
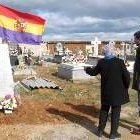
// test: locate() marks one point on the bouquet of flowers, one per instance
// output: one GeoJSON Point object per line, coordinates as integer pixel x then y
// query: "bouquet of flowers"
{"type": "Point", "coordinates": [8, 103]}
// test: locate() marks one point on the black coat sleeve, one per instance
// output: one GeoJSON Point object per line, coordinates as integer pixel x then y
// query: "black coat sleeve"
{"type": "Point", "coordinates": [137, 63]}
{"type": "Point", "coordinates": [125, 75]}
{"type": "Point", "coordinates": [93, 71]}
{"type": "Point", "coordinates": [136, 74]}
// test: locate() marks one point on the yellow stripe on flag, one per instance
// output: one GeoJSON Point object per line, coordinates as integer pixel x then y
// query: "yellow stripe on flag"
{"type": "Point", "coordinates": [11, 24]}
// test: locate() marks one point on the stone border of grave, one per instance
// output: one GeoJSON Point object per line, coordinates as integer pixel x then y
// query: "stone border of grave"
{"type": "Point", "coordinates": [74, 72]}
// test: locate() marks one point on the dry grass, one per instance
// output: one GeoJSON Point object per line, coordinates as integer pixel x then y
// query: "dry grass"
{"type": "Point", "coordinates": [77, 103]}
{"type": "Point", "coordinates": [84, 91]}
{"type": "Point", "coordinates": [78, 93]}
{"type": "Point", "coordinates": [87, 92]}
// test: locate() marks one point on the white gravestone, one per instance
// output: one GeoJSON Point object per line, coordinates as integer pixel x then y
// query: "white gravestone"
{"type": "Point", "coordinates": [74, 72]}
{"type": "Point", "coordinates": [93, 59]}
{"type": "Point", "coordinates": [95, 45]}
{"type": "Point", "coordinates": [59, 48]}
{"type": "Point", "coordinates": [124, 49]}
{"type": "Point", "coordinates": [6, 77]}
{"type": "Point", "coordinates": [89, 50]}
{"type": "Point", "coordinates": [128, 49]}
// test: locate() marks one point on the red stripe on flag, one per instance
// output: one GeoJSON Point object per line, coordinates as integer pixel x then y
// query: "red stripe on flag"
{"type": "Point", "coordinates": [15, 14]}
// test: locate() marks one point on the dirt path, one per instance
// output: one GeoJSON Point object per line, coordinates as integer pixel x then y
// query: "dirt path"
{"type": "Point", "coordinates": [57, 132]}
{"type": "Point", "coordinates": [43, 120]}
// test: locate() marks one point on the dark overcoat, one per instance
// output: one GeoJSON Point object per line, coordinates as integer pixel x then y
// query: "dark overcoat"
{"type": "Point", "coordinates": [115, 80]}
{"type": "Point", "coordinates": [136, 75]}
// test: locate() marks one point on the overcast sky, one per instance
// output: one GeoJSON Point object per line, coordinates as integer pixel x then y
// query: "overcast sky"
{"type": "Point", "coordinates": [84, 19]}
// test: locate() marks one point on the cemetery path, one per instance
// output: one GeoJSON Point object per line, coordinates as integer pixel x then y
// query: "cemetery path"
{"type": "Point", "coordinates": [54, 120]}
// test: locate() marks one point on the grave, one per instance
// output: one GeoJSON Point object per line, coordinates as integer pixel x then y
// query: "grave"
{"type": "Point", "coordinates": [7, 100]}
{"type": "Point", "coordinates": [93, 60]}
{"type": "Point", "coordinates": [6, 78]}
{"type": "Point", "coordinates": [74, 71]}
{"type": "Point", "coordinates": [24, 71]}
{"type": "Point", "coordinates": [95, 45]}
{"type": "Point", "coordinates": [59, 53]}
{"type": "Point", "coordinates": [93, 56]}
{"type": "Point", "coordinates": [20, 66]}
{"type": "Point", "coordinates": [59, 48]}
{"type": "Point", "coordinates": [92, 49]}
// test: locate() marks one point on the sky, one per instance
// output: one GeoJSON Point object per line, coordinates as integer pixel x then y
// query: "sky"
{"type": "Point", "coordinates": [84, 19]}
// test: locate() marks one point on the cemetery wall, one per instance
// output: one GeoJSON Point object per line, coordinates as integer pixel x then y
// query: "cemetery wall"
{"type": "Point", "coordinates": [49, 47]}
{"type": "Point", "coordinates": [71, 45]}
{"type": "Point", "coordinates": [74, 45]}
{"type": "Point", "coordinates": [36, 49]}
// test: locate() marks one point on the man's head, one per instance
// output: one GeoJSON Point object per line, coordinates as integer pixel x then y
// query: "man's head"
{"type": "Point", "coordinates": [137, 38]}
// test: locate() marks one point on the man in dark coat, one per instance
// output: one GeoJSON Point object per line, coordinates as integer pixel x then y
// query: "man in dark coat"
{"type": "Point", "coordinates": [136, 75]}
{"type": "Point", "coordinates": [115, 80]}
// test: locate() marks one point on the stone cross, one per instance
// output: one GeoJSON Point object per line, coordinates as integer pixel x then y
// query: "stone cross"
{"type": "Point", "coordinates": [95, 45]}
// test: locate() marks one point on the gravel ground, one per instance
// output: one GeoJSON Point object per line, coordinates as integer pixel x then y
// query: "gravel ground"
{"type": "Point", "coordinates": [58, 132]}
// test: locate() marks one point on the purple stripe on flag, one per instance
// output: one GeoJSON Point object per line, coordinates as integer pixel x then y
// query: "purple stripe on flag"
{"type": "Point", "coordinates": [20, 37]}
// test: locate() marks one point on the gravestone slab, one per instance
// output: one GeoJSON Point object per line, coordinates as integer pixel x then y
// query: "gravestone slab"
{"type": "Point", "coordinates": [14, 60]}
{"type": "Point", "coordinates": [92, 60]}
{"type": "Point", "coordinates": [6, 77]}
{"type": "Point", "coordinates": [74, 72]}
{"type": "Point", "coordinates": [24, 71]}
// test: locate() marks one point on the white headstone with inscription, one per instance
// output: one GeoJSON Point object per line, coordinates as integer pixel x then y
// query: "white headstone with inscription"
{"type": "Point", "coordinates": [6, 77]}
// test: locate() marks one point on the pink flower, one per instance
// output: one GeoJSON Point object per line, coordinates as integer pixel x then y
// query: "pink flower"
{"type": "Point", "coordinates": [8, 96]}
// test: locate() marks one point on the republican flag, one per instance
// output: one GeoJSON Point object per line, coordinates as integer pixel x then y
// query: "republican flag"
{"type": "Point", "coordinates": [19, 27]}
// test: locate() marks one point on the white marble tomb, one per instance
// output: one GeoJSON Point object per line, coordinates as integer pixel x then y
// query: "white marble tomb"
{"type": "Point", "coordinates": [73, 71]}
